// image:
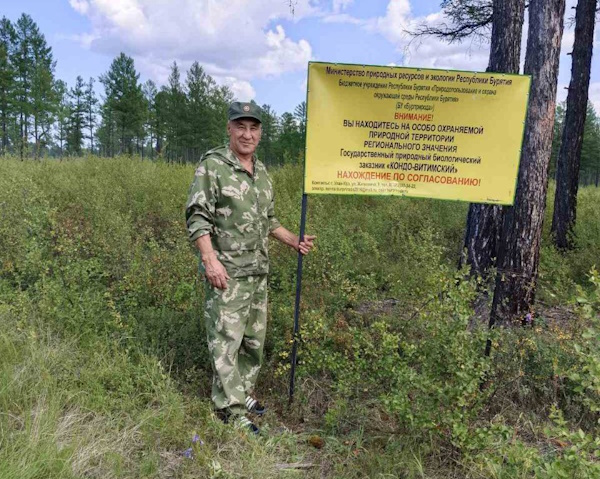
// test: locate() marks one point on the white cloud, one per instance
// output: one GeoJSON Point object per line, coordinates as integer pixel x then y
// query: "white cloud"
{"type": "Point", "coordinates": [434, 53]}
{"type": "Point", "coordinates": [339, 5]}
{"type": "Point", "coordinates": [568, 38]}
{"type": "Point", "coordinates": [396, 20]}
{"type": "Point", "coordinates": [81, 6]}
{"type": "Point", "coordinates": [426, 52]}
{"type": "Point", "coordinates": [242, 90]}
{"type": "Point", "coordinates": [84, 39]}
{"type": "Point", "coordinates": [238, 41]}
{"type": "Point", "coordinates": [235, 41]}
{"type": "Point", "coordinates": [342, 18]}
{"type": "Point", "coordinates": [283, 54]}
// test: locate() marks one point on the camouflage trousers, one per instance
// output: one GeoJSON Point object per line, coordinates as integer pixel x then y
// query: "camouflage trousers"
{"type": "Point", "coordinates": [236, 323]}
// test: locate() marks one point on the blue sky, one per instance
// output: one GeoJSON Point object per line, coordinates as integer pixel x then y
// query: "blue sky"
{"type": "Point", "coordinates": [257, 47]}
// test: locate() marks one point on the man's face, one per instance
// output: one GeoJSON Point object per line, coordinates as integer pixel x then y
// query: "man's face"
{"type": "Point", "coordinates": [244, 135]}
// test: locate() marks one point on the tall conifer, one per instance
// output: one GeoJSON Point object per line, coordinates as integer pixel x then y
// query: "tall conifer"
{"type": "Point", "coordinates": [8, 39]}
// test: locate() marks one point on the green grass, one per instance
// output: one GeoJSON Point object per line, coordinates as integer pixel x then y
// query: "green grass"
{"type": "Point", "coordinates": [104, 370]}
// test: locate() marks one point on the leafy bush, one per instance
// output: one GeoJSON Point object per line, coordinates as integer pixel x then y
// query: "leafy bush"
{"type": "Point", "coordinates": [101, 331]}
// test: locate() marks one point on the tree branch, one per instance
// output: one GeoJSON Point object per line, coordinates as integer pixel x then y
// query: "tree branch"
{"type": "Point", "coordinates": [466, 18]}
{"type": "Point", "coordinates": [452, 33]}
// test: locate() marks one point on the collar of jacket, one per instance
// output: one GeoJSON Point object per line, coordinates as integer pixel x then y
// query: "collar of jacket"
{"type": "Point", "coordinates": [225, 154]}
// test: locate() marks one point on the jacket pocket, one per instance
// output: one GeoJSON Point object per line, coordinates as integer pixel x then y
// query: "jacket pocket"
{"type": "Point", "coordinates": [236, 243]}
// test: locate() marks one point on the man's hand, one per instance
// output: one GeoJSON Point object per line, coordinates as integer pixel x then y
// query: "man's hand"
{"type": "Point", "coordinates": [305, 246]}
{"type": "Point", "coordinates": [215, 272]}
{"type": "Point", "coordinates": [290, 239]}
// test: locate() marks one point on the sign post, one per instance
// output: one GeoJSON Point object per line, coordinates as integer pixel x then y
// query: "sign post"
{"type": "Point", "coordinates": [297, 304]}
{"type": "Point", "coordinates": [381, 130]}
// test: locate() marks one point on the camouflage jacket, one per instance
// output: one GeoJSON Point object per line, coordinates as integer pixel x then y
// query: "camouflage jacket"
{"type": "Point", "coordinates": [235, 208]}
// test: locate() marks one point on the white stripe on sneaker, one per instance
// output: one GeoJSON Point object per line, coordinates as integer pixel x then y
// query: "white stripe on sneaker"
{"type": "Point", "coordinates": [250, 402]}
{"type": "Point", "coordinates": [244, 421]}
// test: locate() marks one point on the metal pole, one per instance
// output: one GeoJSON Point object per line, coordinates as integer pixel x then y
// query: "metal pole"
{"type": "Point", "coordinates": [297, 306]}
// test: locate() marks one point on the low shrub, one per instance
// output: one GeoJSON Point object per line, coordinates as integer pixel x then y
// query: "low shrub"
{"type": "Point", "coordinates": [104, 358]}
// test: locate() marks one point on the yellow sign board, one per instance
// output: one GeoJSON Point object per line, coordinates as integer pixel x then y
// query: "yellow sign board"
{"type": "Point", "coordinates": [377, 130]}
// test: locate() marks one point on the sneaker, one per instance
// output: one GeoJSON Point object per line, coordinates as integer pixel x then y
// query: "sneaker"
{"type": "Point", "coordinates": [245, 423]}
{"type": "Point", "coordinates": [254, 406]}
{"type": "Point", "coordinates": [223, 415]}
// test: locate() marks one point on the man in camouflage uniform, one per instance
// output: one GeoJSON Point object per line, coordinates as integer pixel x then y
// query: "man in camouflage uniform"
{"type": "Point", "coordinates": [230, 215]}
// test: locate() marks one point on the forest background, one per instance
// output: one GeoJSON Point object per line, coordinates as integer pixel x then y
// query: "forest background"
{"type": "Point", "coordinates": [42, 116]}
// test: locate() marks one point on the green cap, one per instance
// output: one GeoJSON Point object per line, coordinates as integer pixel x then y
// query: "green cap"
{"type": "Point", "coordinates": [239, 109]}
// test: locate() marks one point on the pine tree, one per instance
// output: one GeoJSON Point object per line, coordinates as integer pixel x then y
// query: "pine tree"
{"type": "Point", "coordinates": [567, 174]}
{"type": "Point", "coordinates": [289, 143]}
{"type": "Point", "coordinates": [207, 105]}
{"type": "Point", "coordinates": [124, 109]}
{"type": "Point", "coordinates": [43, 101]}
{"type": "Point", "coordinates": [270, 132]}
{"type": "Point", "coordinates": [62, 114]}
{"type": "Point", "coordinates": [199, 86]}
{"type": "Point", "coordinates": [90, 107]}
{"type": "Point", "coordinates": [106, 134]}
{"type": "Point", "coordinates": [8, 38]}
{"type": "Point", "coordinates": [519, 252]}
{"type": "Point", "coordinates": [150, 92]}
{"type": "Point", "coordinates": [23, 62]}
{"type": "Point", "coordinates": [220, 99]}
{"type": "Point", "coordinates": [300, 116]}
{"type": "Point", "coordinates": [160, 120]}
{"type": "Point", "coordinates": [77, 115]}
{"type": "Point", "coordinates": [484, 222]}
{"type": "Point", "coordinates": [559, 118]}
{"type": "Point", "coordinates": [175, 103]}
{"type": "Point", "coordinates": [590, 148]}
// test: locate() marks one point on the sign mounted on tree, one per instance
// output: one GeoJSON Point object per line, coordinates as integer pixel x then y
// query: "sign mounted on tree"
{"type": "Point", "coordinates": [378, 130]}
